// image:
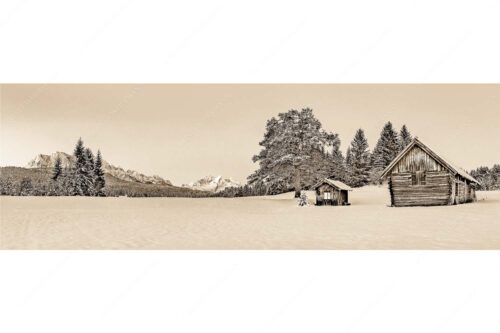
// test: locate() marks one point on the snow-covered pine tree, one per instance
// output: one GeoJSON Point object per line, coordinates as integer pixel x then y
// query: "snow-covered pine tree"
{"type": "Point", "coordinates": [385, 151]}
{"type": "Point", "coordinates": [359, 160]}
{"type": "Point", "coordinates": [335, 160]}
{"type": "Point", "coordinates": [78, 168]}
{"type": "Point", "coordinates": [302, 201]}
{"type": "Point", "coordinates": [299, 147]}
{"type": "Point", "coordinates": [404, 138]}
{"type": "Point", "coordinates": [99, 182]}
{"type": "Point", "coordinates": [292, 147]}
{"type": "Point", "coordinates": [82, 178]}
{"type": "Point", "coordinates": [56, 172]}
{"type": "Point", "coordinates": [89, 164]}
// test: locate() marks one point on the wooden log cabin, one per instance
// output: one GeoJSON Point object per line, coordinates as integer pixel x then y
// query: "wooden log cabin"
{"type": "Point", "coordinates": [332, 192]}
{"type": "Point", "coordinates": [420, 177]}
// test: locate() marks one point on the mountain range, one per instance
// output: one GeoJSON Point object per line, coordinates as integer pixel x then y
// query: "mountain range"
{"type": "Point", "coordinates": [48, 161]}
{"type": "Point", "coordinates": [213, 184]}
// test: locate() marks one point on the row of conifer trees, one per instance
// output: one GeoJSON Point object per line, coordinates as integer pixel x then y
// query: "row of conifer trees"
{"type": "Point", "coordinates": [297, 152]}
{"type": "Point", "coordinates": [84, 177]}
{"type": "Point", "coordinates": [364, 166]}
{"type": "Point", "coordinates": [489, 178]}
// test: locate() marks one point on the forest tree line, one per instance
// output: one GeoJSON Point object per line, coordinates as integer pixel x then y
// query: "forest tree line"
{"type": "Point", "coordinates": [84, 177]}
{"type": "Point", "coordinates": [489, 178]}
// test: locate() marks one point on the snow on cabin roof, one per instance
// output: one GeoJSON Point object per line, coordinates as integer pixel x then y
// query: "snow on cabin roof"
{"type": "Point", "coordinates": [439, 158]}
{"type": "Point", "coordinates": [335, 183]}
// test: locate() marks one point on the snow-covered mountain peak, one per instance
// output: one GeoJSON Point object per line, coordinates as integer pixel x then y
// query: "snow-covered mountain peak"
{"type": "Point", "coordinates": [212, 184]}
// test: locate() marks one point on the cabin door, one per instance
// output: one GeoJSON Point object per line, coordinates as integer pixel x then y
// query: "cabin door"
{"type": "Point", "coordinates": [336, 198]}
{"type": "Point", "coordinates": [343, 196]}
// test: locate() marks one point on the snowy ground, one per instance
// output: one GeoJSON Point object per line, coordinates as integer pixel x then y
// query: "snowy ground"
{"type": "Point", "coordinates": [245, 223]}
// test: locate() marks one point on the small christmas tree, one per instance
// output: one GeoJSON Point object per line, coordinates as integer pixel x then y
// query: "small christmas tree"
{"type": "Point", "coordinates": [302, 199]}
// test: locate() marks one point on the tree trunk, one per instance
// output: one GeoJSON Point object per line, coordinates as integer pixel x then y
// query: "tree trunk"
{"type": "Point", "coordinates": [297, 183]}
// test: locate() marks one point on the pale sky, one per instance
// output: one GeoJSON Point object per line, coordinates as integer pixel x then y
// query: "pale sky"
{"type": "Point", "coordinates": [185, 132]}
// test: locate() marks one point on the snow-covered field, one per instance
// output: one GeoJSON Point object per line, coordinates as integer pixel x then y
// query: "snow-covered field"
{"type": "Point", "coordinates": [245, 223]}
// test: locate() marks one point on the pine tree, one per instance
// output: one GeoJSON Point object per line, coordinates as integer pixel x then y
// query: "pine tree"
{"type": "Point", "coordinates": [79, 176]}
{"type": "Point", "coordinates": [335, 161]}
{"type": "Point", "coordinates": [292, 152]}
{"type": "Point", "coordinates": [404, 138]}
{"type": "Point", "coordinates": [385, 151]}
{"type": "Point", "coordinates": [57, 168]}
{"type": "Point", "coordinates": [82, 177]}
{"type": "Point", "coordinates": [89, 165]}
{"type": "Point", "coordinates": [99, 182]}
{"type": "Point", "coordinates": [359, 160]}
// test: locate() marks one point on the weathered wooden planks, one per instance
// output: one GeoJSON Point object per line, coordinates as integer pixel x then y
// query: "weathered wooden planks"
{"type": "Point", "coordinates": [417, 160]}
{"type": "Point", "coordinates": [436, 191]}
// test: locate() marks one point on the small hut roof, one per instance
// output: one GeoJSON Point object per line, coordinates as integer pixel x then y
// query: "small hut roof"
{"type": "Point", "coordinates": [445, 163]}
{"type": "Point", "coordinates": [335, 183]}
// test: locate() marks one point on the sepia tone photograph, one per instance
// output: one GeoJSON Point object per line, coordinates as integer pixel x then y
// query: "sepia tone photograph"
{"type": "Point", "coordinates": [265, 166]}
{"type": "Point", "coordinates": [250, 166]}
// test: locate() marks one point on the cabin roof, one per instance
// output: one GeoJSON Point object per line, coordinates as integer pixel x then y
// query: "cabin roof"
{"type": "Point", "coordinates": [445, 163]}
{"type": "Point", "coordinates": [335, 183]}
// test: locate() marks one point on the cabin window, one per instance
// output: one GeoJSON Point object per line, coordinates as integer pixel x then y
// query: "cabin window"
{"type": "Point", "coordinates": [418, 178]}
{"type": "Point", "coordinates": [327, 195]}
{"type": "Point", "coordinates": [421, 178]}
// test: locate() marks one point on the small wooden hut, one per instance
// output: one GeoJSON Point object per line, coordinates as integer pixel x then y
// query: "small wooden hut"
{"type": "Point", "coordinates": [420, 177]}
{"type": "Point", "coordinates": [331, 192]}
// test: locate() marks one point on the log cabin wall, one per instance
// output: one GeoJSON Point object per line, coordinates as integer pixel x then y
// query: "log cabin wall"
{"type": "Point", "coordinates": [461, 192]}
{"type": "Point", "coordinates": [464, 195]}
{"type": "Point", "coordinates": [454, 188]}
{"type": "Point", "coordinates": [466, 191]}
{"type": "Point", "coordinates": [436, 191]}
{"type": "Point", "coordinates": [470, 193]}
{"type": "Point", "coordinates": [472, 197]}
